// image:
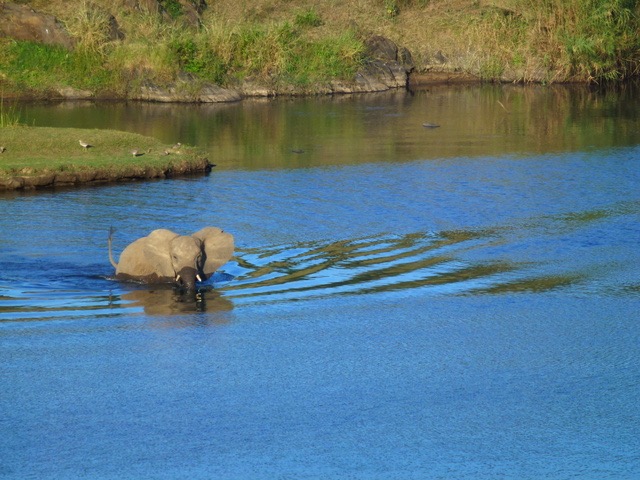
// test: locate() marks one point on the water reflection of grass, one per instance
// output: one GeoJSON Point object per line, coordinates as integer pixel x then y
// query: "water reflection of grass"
{"type": "Point", "coordinates": [537, 284]}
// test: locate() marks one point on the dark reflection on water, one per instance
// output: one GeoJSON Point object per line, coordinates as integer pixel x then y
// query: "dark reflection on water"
{"type": "Point", "coordinates": [169, 301]}
{"type": "Point", "coordinates": [412, 303]}
{"type": "Point", "coordinates": [298, 133]}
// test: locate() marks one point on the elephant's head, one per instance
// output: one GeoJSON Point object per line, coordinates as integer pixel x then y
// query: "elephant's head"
{"type": "Point", "coordinates": [187, 257]}
{"type": "Point", "coordinates": [164, 256]}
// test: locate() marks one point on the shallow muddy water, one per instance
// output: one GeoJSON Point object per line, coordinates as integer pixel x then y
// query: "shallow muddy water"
{"type": "Point", "coordinates": [404, 302]}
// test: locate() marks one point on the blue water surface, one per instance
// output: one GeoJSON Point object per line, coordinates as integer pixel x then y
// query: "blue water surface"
{"type": "Point", "coordinates": [429, 318]}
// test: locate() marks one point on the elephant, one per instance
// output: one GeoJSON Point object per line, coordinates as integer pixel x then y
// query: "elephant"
{"type": "Point", "coordinates": [166, 257]}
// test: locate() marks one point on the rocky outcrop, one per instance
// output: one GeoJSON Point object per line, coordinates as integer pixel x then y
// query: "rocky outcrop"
{"type": "Point", "coordinates": [23, 23]}
{"type": "Point", "coordinates": [382, 49]}
{"type": "Point", "coordinates": [388, 66]}
{"type": "Point", "coordinates": [438, 68]}
{"type": "Point", "coordinates": [185, 89]}
{"type": "Point", "coordinates": [70, 93]}
{"type": "Point", "coordinates": [192, 11]}
{"type": "Point", "coordinates": [114, 31]}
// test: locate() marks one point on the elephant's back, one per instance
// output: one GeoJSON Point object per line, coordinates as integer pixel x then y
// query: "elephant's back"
{"type": "Point", "coordinates": [147, 258]}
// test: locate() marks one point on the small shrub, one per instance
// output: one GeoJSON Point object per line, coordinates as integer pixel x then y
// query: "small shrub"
{"type": "Point", "coordinates": [308, 18]}
{"type": "Point", "coordinates": [199, 59]}
{"type": "Point", "coordinates": [491, 69]}
{"type": "Point", "coordinates": [172, 7]}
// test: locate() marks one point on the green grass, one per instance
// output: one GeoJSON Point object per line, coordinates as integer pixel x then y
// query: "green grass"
{"type": "Point", "coordinates": [35, 66]}
{"type": "Point", "coordinates": [41, 150]}
{"type": "Point", "coordinates": [600, 37]}
{"type": "Point", "coordinates": [172, 7]}
{"type": "Point", "coordinates": [282, 52]}
{"type": "Point", "coordinates": [312, 63]}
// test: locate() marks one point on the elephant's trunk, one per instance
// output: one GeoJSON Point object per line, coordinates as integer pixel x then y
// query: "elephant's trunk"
{"type": "Point", "coordinates": [187, 278]}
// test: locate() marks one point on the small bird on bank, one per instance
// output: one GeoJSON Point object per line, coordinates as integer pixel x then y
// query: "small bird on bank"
{"type": "Point", "coordinates": [176, 148]}
{"type": "Point", "coordinates": [2, 149]}
{"type": "Point", "coordinates": [84, 145]}
{"type": "Point", "coordinates": [136, 152]}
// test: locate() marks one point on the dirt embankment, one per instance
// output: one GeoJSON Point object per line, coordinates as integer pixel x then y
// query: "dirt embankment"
{"type": "Point", "coordinates": [25, 179]}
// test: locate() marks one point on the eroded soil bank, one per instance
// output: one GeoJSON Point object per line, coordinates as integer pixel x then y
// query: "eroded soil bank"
{"type": "Point", "coordinates": [97, 176]}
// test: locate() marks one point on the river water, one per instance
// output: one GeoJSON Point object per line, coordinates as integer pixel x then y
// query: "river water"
{"type": "Point", "coordinates": [405, 302]}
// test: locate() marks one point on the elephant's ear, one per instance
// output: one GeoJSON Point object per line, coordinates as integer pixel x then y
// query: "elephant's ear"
{"type": "Point", "coordinates": [218, 247]}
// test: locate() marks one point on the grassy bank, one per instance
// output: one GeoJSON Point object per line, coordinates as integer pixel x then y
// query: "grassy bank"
{"type": "Point", "coordinates": [41, 157]}
{"type": "Point", "coordinates": [302, 43]}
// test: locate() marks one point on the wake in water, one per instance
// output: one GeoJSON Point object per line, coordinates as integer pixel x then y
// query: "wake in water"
{"type": "Point", "coordinates": [367, 265]}
{"type": "Point", "coordinates": [566, 252]}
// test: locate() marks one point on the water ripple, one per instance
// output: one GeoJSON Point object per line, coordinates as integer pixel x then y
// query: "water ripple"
{"type": "Point", "coordinates": [376, 264]}
{"type": "Point", "coordinates": [27, 304]}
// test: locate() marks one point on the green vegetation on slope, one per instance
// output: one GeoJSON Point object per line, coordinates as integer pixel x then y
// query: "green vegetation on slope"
{"type": "Point", "coordinates": [156, 49]}
{"type": "Point", "coordinates": [282, 51]}
{"type": "Point", "coordinates": [300, 44]}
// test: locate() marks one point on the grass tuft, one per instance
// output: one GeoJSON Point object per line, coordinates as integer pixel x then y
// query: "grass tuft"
{"type": "Point", "coordinates": [9, 117]}
{"type": "Point", "coordinates": [91, 27]}
{"type": "Point", "coordinates": [308, 18]}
